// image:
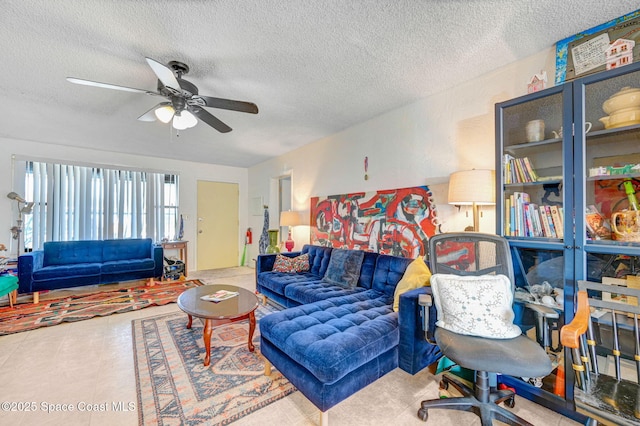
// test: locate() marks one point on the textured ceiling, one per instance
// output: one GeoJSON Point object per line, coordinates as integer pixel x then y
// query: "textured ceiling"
{"type": "Point", "coordinates": [313, 67]}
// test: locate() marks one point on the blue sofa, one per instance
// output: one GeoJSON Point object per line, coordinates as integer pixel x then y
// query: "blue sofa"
{"type": "Point", "coordinates": [63, 264]}
{"type": "Point", "coordinates": [333, 341]}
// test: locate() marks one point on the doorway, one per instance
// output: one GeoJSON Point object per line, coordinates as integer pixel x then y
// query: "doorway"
{"type": "Point", "coordinates": [217, 225]}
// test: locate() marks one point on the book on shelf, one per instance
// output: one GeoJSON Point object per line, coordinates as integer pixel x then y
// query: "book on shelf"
{"type": "Point", "coordinates": [506, 166]}
{"type": "Point", "coordinates": [524, 173]}
{"type": "Point", "coordinates": [530, 169]}
{"type": "Point", "coordinates": [219, 296]}
{"type": "Point", "coordinates": [526, 219]}
{"type": "Point", "coordinates": [518, 170]}
{"type": "Point", "coordinates": [552, 228]}
{"type": "Point", "coordinates": [507, 217]}
{"type": "Point", "coordinates": [537, 222]}
{"type": "Point", "coordinates": [546, 229]}
{"type": "Point", "coordinates": [529, 220]}
{"type": "Point", "coordinates": [557, 221]}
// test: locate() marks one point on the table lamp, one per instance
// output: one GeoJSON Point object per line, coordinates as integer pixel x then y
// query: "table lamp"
{"type": "Point", "coordinates": [289, 219]}
{"type": "Point", "coordinates": [474, 188]}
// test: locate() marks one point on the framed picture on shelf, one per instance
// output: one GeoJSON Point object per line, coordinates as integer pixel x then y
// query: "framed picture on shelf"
{"type": "Point", "coordinates": [613, 296]}
{"type": "Point", "coordinates": [598, 227]}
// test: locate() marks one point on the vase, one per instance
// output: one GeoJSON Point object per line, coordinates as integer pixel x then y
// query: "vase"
{"type": "Point", "coordinates": [273, 242]}
{"type": "Point", "coordinates": [263, 243]}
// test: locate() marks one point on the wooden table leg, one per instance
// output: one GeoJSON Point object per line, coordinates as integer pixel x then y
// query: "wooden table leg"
{"type": "Point", "coordinates": [252, 328]}
{"type": "Point", "coordinates": [190, 321]}
{"type": "Point", "coordinates": [206, 335]}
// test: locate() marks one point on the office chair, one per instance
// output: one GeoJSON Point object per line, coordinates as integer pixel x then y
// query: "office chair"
{"type": "Point", "coordinates": [479, 259]}
{"type": "Point", "coordinates": [602, 397]}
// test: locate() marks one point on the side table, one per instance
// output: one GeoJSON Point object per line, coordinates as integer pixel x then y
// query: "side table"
{"type": "Point", "coordinates": [181, 246]}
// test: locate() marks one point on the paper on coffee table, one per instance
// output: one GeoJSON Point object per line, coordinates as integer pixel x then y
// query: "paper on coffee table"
{"type": "Point", "coordinates": [219, 296]}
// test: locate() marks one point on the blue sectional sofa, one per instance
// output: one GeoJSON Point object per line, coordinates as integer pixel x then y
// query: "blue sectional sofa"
{"type": "Point", "coordinates": [63, 264]}
{"type": "Point", "coordinates": [333, 341]}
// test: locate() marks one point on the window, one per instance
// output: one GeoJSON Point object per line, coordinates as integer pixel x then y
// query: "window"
{"type": "Point", "coordinates": [91, 203]}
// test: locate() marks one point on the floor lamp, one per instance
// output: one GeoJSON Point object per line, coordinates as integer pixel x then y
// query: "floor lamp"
{"type": "Point", "coordinates": [26, 209]}
{"type": "Point", "coordinates": [289, 219]}
{"type": "Point", "coordinates": [474, 188]}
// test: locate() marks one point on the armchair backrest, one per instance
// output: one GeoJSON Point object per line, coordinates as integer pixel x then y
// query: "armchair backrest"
{"type": "Point", "coordinates": [470, 253]}
{"type": "Point", "coordinates": [611, 331]}
{"type": "Point", "coordinates": [617, 338]}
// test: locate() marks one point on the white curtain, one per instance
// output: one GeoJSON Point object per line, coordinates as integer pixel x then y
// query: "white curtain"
{"type": "Point", "coordinates": [88, 203]}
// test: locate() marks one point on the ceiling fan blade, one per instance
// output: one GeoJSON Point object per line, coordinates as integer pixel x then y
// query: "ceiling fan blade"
{"type": "Point", "coordinates": [209, 119]}
{"type": "Point", "coordinates": [151, 114]}
{"type": "Point", "coordinates": [109, 86]}
{"type": "Point", "coordinates": [165, 74]}
{"type": "Point", "coordinates": [240, 106]}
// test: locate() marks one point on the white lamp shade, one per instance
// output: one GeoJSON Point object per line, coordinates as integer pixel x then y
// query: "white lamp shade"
{"type": "Point", "coordinates": [290, 218]}
{"type": "Point", "coordinates": [472, 186]}
{"type": "Point", "coordinates": [184, 121]}
{"type": "Point", "coordinates": [165, 113]}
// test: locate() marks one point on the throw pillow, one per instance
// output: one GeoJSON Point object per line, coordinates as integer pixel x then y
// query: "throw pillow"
{"type": "Point", "coordinates": [344, 267]}
{"type": "Point", "coordinates": [416, 275]}
{"type": "Point", "coordinates": [283, 264]}
{"type": "Point", "coordinates": [475, 305]}
{"type": "Point", "coordinates": [301, 263]}
{"type": "Point", "coordinates": [291, 264]}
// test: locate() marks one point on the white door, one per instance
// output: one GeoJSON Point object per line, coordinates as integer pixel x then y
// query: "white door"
{"type": "Point", "coordinates": [217, 222]}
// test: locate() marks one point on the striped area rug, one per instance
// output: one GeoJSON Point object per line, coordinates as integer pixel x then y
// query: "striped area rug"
{"type": "Point", "coordinates": [29, 316]}
{"type": "Point", "coordinates": [175, 388]}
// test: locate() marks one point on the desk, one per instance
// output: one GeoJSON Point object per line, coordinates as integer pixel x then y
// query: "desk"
{"type": "Point", "coordinates": [181, 246]}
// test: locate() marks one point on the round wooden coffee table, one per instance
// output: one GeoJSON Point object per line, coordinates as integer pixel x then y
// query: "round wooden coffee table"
{"type": "Point", "coordinates": [235, 309]}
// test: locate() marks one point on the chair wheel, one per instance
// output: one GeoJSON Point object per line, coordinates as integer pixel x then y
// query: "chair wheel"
{"type": "Point", "coordinates": [511, 402]}
{"type": "Point", "coordinates": [444, 385]}
{"type": "Point", "coordinates": [422, 414]}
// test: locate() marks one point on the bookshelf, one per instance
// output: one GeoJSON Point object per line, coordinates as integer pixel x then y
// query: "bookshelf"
{"type": "Point", "coordinates": [557, 198]}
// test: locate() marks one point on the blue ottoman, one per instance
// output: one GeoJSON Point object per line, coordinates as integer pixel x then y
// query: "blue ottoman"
{"type": "Point", "coordinates": [333, 348]}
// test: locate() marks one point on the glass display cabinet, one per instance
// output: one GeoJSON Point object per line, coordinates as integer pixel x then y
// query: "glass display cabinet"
{"type": "Point", "coordinates": [567, 170]}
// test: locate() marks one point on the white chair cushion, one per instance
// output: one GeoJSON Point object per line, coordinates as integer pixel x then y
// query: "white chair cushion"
{"type": "Point", "coordinates": [475, 305]}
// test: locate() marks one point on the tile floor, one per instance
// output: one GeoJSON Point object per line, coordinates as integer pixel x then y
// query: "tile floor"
{"type": "Point", "coordinates": [88, 366]}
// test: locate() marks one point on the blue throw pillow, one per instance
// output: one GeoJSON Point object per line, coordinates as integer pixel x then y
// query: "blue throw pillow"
{"type": "Point", "coordinates": [344, 267]}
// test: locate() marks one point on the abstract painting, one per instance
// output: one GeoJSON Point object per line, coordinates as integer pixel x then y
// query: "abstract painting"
{"type": "Point", "coordinates": [398, 222]}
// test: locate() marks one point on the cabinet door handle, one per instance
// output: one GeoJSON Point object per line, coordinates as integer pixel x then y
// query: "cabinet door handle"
{"type": "Point", "coordinates": [568, 247]}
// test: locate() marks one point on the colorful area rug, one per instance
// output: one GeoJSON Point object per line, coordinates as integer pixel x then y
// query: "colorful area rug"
{"type": "Point", "coordinates": [28, 316]}
{"type": "Point", "coordinates": [175, 388]}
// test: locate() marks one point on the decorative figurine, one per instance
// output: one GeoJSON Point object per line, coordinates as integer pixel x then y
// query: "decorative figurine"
{"type": "Point", "coordinates": [619, 53]}
{"type": "Point", "coordinates": [537, 82]}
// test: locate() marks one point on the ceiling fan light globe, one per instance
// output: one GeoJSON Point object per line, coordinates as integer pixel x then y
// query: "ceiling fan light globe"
{"type": "Point", "coordinates": [165, 113]}
{"type": "Point", "coordinates": [178, 125]}
{"type": "Point", "coordinates": [183, 121]}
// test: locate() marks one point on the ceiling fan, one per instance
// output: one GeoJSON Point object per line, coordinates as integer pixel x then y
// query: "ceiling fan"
{"type": "Point", "coordinates": [183, 103]}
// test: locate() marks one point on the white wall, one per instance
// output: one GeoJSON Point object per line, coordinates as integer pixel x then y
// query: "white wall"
{"type": "Point", "coordinates": [189, 173]}
{"type": "Point", "coordinates": [418, 144]}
